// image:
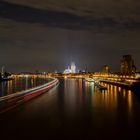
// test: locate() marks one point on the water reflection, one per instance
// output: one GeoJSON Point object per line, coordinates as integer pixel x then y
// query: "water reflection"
{"type": "Point", "coordinates": [20, 84]}
{"type": "Point", "coordinates": [70, 96]}
{"type": "Point", "coordinates": [79, 107]}
{"type": "Point", "coordinates": [112, 98]}
{"type": "Point", "coordinates": [79, 94]}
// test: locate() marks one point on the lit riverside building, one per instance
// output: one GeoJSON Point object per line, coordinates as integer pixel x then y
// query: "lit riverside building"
{"type": "Point", "coordinates": [127, 65]}
{"type": "Point", "coordinates": [106, 69]}
{"type": "Point", "coordinates": [71, 69]}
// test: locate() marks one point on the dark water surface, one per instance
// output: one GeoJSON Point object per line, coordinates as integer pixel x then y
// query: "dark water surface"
{"type": "Point", "coordinates": [76, 109]}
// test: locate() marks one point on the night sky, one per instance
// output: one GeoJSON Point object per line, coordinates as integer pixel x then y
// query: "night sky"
{"type": "Point", "coordinates": [47, 35]}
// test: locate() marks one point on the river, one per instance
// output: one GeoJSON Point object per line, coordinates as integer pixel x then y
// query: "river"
{"type": "Point", "coordinates": [76, 109]}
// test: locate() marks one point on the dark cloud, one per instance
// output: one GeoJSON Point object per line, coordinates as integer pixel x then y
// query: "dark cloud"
{"type": "Point", "coordinates": [113, 8]}
{"type": "Point", "coordinates": [49, 35]}
{"type": "Point", "coordinates": [63, 19]}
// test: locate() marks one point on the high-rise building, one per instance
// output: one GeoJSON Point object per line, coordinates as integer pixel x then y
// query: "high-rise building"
{"type": "Point", "coordinates": [106, 69]}
{"type": "Point", "coordinates": [2, 71]}
{"type": "Point", "coordinates": [127, 65]}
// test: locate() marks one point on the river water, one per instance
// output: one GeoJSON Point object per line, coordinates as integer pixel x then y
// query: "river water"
{"type": "Point", "coordinates": [76, 109]}
{"type": "Point", "coordinates": [21, 84]}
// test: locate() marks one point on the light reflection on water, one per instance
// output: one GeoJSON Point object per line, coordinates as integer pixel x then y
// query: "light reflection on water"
{"type": "Point", "coordinates": [79, 94]}
{"type": "Point", "coordinates": [112, 98]}
{"type": "Point", "coordinates": [76, 107]}
{"type": "Point", "coordinates": [20, 84]}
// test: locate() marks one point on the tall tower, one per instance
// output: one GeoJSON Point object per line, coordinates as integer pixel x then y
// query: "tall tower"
{"type": "Point", "coordinates": [127, 65]}
{"type": "Point", "coordinates": [106, 69]}
{"type": "Point", "coordinates": [2, 71]}
{"type": "Point", "coordinates": [73, 67]}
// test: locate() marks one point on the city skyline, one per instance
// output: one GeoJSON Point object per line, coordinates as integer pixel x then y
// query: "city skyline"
{"type": "Point", "coordinates": [126, 64]}
{"type": "Point", "coordinates": [44, 36]}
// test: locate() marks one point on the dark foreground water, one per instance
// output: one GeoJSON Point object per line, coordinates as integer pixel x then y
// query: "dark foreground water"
{"type": "Point", "coordinates": [76, 109]}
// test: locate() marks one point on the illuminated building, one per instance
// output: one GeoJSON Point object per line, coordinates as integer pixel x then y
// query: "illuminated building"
{"type": "Point", "coordinates": [71, 69]}
{"type": "Point", "coordinates": [127, 65]}
{"type": "Point", "coordinates": [106, 69]}
{"type": "Point", "coordinates": [2, 71]}
{"type": "Point", "coordinates": [67, 71]}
